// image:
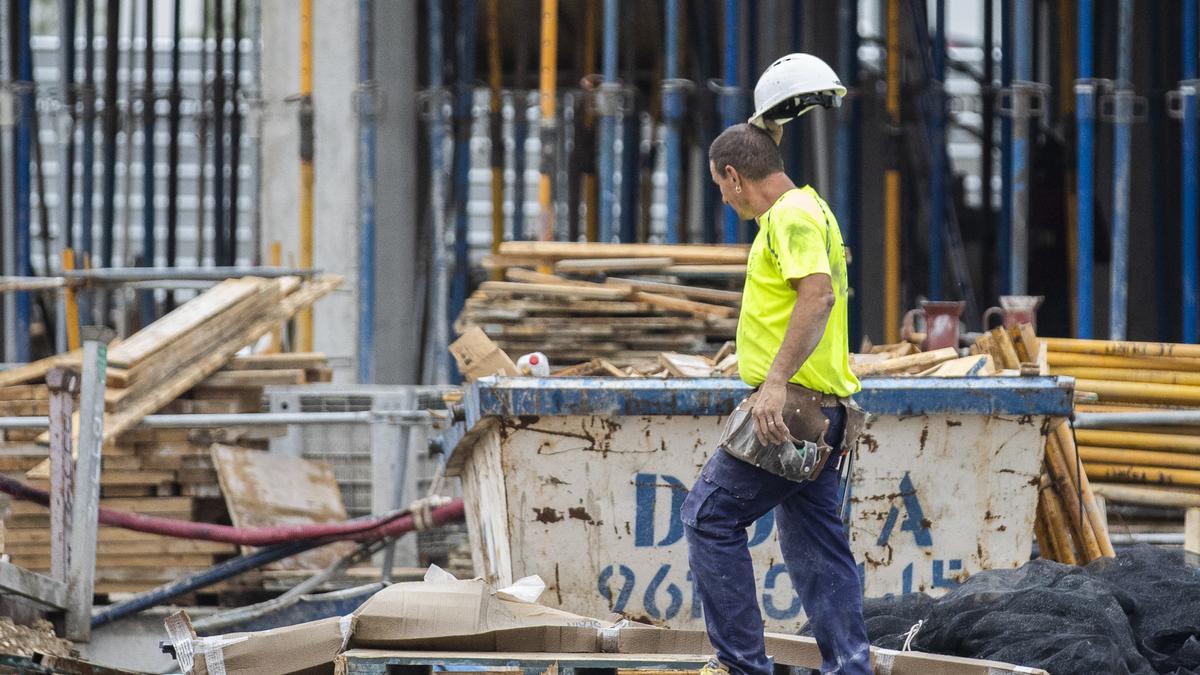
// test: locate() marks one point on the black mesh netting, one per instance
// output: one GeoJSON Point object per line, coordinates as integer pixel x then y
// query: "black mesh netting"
{"type": "Point", "coordinates": [1138, 613]}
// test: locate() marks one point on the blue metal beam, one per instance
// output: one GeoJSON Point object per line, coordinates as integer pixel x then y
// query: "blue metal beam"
{"type": "Point", "coordinates": [465, 64]}
{"type": "Point", "coordinates": [1019, 171]}
{"type": "Point", "coordinates": [146, 298]}
{"type": "Point", "coordinates": [366, 194]}
{"type": "Point", "coordinates": [1003, 240]}
{"type": "Point", "coordinates": [1085, 120]}
{"type": "Point", "coordinates": [731, 102]}
{"type": "Point", "coordinates": [1191, 157]}
{"type": "Point", "coordinates": [556, 396]}
{"type": "Point", "coordinates": [609, 93]}
{"type": "Point", "coordinates": [846, 195]}
{"type": "Point", "coordinates": [24, 145]}
{"type": "Point", "coordinates": [673, 102]}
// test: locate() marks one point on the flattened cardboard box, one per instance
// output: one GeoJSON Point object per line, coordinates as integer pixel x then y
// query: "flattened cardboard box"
{"type": "Point", "coordinates": [477, 356]}
{"type": "Point", "coordinates": [458, 615]}
{"type": "Point", "coordinates": [303, 649]}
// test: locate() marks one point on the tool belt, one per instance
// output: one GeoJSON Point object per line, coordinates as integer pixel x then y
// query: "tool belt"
{"type": "Point", "coordinates": [807, 453]}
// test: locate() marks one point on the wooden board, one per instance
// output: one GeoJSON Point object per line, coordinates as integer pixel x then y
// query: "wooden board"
{"type": "Point", "coordinates": [600, 292]}
{"type": "Point", "coordinates": [233, 379]}
{"type": "Point", "coordinates": [36, 370]}
{"type": "Point", "coordinates": [686, 365]}
{"type": "Point", "coordinates": [146, 374]}
{"type": "Point", "coordinates": [24, 392]}
{"type": "Point", "coordinates": [714, 295]}
{"type": "Point", "coordinates": [263, 489]}
{"type": "Point", "coordinates": [182, 321]}
{"type": "Point", "coordinates": [594, 265]}
{"type": "Point", "coordinates": [681, 253]}
{"type": "Point", "coordinates": [279, 361]}
{"type": "Point", "coordinates": [682, 305]}
{"type": "Point", "coordinates": [899, 365]}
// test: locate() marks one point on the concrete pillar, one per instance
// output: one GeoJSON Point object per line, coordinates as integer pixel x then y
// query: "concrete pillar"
{"type": "Point", "coordinates": [335, 219]}
{"type": "Point", "coordinates": [400, 252]}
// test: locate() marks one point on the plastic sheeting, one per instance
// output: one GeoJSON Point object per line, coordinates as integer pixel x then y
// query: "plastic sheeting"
{"type": "Point", "coordinates": [1138, 614]}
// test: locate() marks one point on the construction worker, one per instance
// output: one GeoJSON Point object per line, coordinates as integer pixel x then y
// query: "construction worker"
{"type": "Point", "coordinates": [792, 345]}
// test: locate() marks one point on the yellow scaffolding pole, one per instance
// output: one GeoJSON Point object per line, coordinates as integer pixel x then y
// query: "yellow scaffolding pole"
{"type": "Point", "coordinates": [1125, 472]}
{"type": "Point", "coordinates": [891, 263]}
{"type": "Point", "coordinates": [306, 162]}
{"type": "Point", "coordinates": [1119, 348]}
{"type": "Point", "coordinates": [547, 90]}
{"type": "Point", "coordinates": [71, 303]}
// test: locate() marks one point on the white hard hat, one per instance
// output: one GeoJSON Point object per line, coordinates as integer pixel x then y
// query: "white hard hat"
{"type": "Point", "coordinates": [792, 86]}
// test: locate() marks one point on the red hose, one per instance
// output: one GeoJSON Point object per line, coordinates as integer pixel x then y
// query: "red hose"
{"type": "Point", "coordinates": [354, 530]}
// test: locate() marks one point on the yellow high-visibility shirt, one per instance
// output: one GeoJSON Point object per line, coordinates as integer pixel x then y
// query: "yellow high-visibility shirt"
{"type": "Point", "coordinates": [797, 237]}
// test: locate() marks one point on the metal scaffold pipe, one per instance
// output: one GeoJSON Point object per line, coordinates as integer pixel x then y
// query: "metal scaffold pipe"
{"type": "Point", "coordinates": [1189, 94]}
{"type": "Point", "coordinates": [307, 152]}
{"type": "Point", "coordinates": [175, 98]}
{"type": "Point", "coordinates": [1085, 120]}
{"type": "Point", "coordinates": [148, 122]}
{"type": "Point", "coordinates": [235, 139]}
{"type": "Point", "coordinates": [607, 101]}
{"type": "Point", "coordinates": [673, 102]}
{"type": "Point", "coordinates": [203, 115]}
{"type": "Point", "coordinates": [1022, 92]}
{"type": "Point", "coordinates": [495, 135]}
{"type": "Point", "coordinates": [109, 124]}
{"type": "Point", "coordinates": [846, 195]}
{"type": "Point", "coordinates": [731, 101]}
{"type": "Point", "coordinates": [1002, 241]}
{"type": "Point", "coordinates": [220, 212]}
{"type": "Point", "coordinates": [463, 104]}
{"type": "Point", "coordinates": [66, 119]}
{"type": "Point", "coordinates": [891, 262]}
{"type": "Point", "coordinates": [987, 141]}
{"type": "Point", "coordinates": [436, 361]}
{"type": "Point", "coordinates": [548, 133]}
{"type": "Point", "coordinates": [1122, 154]}
{"type": "Point", "coordinates": [24, 146]}
{"type": "Point", "coordinates": [7, 206]}
{"type": "Point", "coordinates": [587, 141]}
{"type": "Point", "coordinates": [366, 193]}
{"type": "Point", "coordinates": [937, 178]}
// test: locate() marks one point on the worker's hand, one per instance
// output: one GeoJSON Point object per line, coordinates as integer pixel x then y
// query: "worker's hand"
{"type": "Point", "coordinates": [768, 414]}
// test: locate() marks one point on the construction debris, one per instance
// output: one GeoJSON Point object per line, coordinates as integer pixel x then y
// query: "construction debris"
{"type": "Point", "coordinates": [626, 320]}
{"type": "Point", "coordinates": [468, 621]}
{"type": "Point", "coordinates": [29, 640]}
{"type": "Point", "coordinates": [184, 363]}
{"type": "Point", "coordinates": [262, 489]}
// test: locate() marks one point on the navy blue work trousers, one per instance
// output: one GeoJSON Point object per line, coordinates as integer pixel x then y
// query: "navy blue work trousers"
{"type": "Point", "coordinates": [727, 498]}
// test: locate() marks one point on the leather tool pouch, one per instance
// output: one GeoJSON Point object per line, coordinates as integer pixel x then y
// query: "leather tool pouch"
{"type": "Point", "coordinates": [801, 459]}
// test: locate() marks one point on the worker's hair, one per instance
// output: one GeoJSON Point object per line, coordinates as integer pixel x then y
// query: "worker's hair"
{"type": "Point", "coordinates": [748, 149]}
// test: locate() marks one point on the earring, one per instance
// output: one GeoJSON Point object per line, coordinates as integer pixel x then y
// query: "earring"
{"type": "Point", "coordinates": [737, 189]}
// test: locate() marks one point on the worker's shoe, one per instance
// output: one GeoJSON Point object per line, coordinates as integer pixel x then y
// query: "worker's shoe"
{"type": "Point", "coordinates": [714, 667]}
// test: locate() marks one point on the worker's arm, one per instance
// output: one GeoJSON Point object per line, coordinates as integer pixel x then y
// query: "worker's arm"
{"type": "Point", "coordinates": [814, 301]}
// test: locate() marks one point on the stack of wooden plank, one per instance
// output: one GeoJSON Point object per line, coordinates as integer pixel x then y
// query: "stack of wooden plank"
{"type": "Point", "coordinates": [166, 368]}
{"type": "Point", "coordinates": [624, 303]}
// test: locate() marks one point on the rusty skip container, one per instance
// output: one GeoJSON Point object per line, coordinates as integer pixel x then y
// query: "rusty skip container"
{"type": "Point", "coordinates": [580, 480]}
